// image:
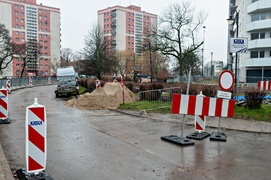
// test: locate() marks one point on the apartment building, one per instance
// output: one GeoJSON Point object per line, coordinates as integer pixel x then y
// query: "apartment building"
{"type": "Point", "coordinates": [253, 19]}
{"type": "Point", "coordinates": [28, 21]}
{"type": "Point", "coordinates": [128, 27]}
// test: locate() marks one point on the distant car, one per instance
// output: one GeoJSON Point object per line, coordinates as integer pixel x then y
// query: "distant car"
{"type": "Point", "coordinates": [83, 76]}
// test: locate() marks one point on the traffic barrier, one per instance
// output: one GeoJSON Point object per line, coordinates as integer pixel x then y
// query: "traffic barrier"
{"type": "Point", "coordinates": [98, 83]}
{"type": "Point", "coordinates": [30, 82]}
{"type": "Point", "coordinates": [206, 106]}
{"type": "Point", "coordinates": [4, 106]}
{"type": "Point", "coordinates": [49, 80]}
{"type": "Point", "coordinates": [8, 86]}
{"type": "Point", "coordinates": [264, 85]}
{"type": "Point", "coordinates": [36, 143]}
{"type": "Point", "coordinates": [200, 122]}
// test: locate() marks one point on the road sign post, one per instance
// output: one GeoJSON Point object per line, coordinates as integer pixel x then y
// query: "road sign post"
{"type": "Point", "coordinates": [226, 82]}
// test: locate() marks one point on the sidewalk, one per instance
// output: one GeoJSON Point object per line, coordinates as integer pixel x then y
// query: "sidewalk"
{"type": "Point", "coordinates": [5, 171]}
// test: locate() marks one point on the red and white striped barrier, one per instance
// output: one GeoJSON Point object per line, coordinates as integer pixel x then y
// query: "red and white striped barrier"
{"type": "Point", "coordinates": [200, 120]}
{"type": "Point", "coordinates": [8, 86]}
{"type": "Point", "coordinates": [36, 128]}
{"type": "Point", "coordinates": [3, 103]}
{"type": "Point", "coordinates": [49, 80]}
{"type": "Point", "coordinates": [98, 83]}
{"type": "Point", "coordinates": [114, 81]}
{"type": "Point", "coordinates": [264, 85]}
{"type": "Point", "coordinates": [204, 106]}
{"type": "Point", "coordinates": [30, 82]}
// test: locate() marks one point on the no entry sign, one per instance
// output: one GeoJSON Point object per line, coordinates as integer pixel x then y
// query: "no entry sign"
{"type": "Point", "coordinates": [226, 80]}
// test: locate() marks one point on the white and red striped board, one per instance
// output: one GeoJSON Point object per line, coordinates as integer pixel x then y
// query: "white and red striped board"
{"type": "Point", "coordinates": [30, 82]}
{"type": "Point", "coordinates": [3, 103]}
{"type": "Point", "coordinates": [200, 122]}
{"type": "Point", "coordinates": [49, 80]}
{"type": "Point", "coordinates": [205, 106]}
{"type": "Point", "coordinates": [8, 85]}
{"type": "Point", "coordinates": [264, 85]}
{"type": "Point", "coordinates": [36, 145]}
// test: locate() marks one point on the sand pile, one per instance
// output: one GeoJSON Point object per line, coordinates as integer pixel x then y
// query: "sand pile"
{"type": "Point", "coordinates": [108, 97]}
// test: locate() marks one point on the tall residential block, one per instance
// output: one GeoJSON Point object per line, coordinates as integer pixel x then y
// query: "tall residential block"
{"type": "Point", "coordinates": [254, 23]}
{"type": "Point", "coordinates": [28, 21]}
{"type": "Point", "coordinates": [127, 27]}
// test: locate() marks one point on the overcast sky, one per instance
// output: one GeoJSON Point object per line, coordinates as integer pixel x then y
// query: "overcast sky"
{"type": "Point", "coordinates": [78, 16]}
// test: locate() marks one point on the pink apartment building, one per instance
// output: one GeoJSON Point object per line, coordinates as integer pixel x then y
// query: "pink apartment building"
{"type": "Point", "coordinates": [26, 20]}
{"type": "Point", "coordinates": [127, 27]}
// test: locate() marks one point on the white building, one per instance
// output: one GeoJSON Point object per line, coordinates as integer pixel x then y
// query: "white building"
{"type": "Point", "coordinates": [254, 23]}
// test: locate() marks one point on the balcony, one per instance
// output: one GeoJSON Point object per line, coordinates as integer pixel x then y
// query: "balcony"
{"type": "Point", "coordinates": [262, 5]}
{"type": "Point", "coordinates": [259, 43]}
{"type": "Point", "coordinates": [258, 62]}
{"type": "Point", "coordinates": [259, 25]}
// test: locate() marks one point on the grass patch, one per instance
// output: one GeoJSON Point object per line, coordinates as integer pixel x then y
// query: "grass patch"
{"type": "Point", "coordinates": [81, 89]}
{"type": "Point", "coordinates": [261, 114]}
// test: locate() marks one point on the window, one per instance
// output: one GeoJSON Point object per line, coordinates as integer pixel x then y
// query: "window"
{"type": "Point", "coordinates": [40, 41]}
{"type": "Point", "coordinates": [41, 66]}
{"type": "Point", "coordinates": [129, 37]}
{"type": "Point", "coordinates": [262, 35]}
{"type": "Point", "coordinates": [17, 65]}
{"type": "Point", "coordinates": [128, 19]}
{"type": "Point", "coordinates": [45, 30]}
{"type": "Point", "coordinates": [17, 26]}
{"type": "Point", "coordinates": [22, 39]}
{"type": "Point", "coordinates": [129, 32]}
{"type": "Point", "coordinates": [261, 54]}
{"type": "Point", "coordinates": [40, 23]}
{"type": "Point", "coordinates": [257, 17]}
{"type": "Point", "coordinates": [46, 48]}
{"type": "Point", "coordinates": [253, 1]}
{"type": "Point", "coordinates": [128, 43]}
{"type": "Point", "coordinates": [22, 7]}
{"type": "Point", "coordinates": [22, 20]}
{"type": "Point", "coordinates": [128, 25]}
{"type": "Point", "coordinates": [46, 60]}
{"type": "Point", "coordinates": [40, 59]}
{"type": "Point", "coordinates": [45, 36]}
{"type": "Point", "coordinates": [16, 6]}
{"type": "Point", "coordinates": [17, 59]}
{"type": "Point", "coordinates": [16, 13]}
{"type": "Point", "coordinates": [22, 14]}
{"type": "Point", "coordinates": [40, 35]}
{"type": "Point", "coordinates": [45, 42]}
{"type": "Point", "coordinates": [40, 17]}
{"type": "Point", "coordinates": [22, 33]}
{"type": "Point", "coordinates": [254, 54]}
{"type": "Point", "coordinates": [45, 24]}
{"type": "Point", "coordinates": [40, 29]}
{"type": "Point", "coordinates": [16, 19]}
{"type": "Point", "coordinates": [45, 17]}
{"type": "Point", "coordinates": [40, 11]}
{"type": "Point", "coordinates": [17, 39]}
{"type": "Point", "coordinates": [22, 27]}
{"type": "Point", "coordinates": [45, 11]}
{"type": "Point", "coordinates": [17, 32]}
{"type": "Point", "coordinates": [128, 14]}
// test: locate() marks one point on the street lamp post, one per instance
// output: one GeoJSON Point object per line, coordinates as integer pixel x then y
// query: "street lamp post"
{"type": "Point", "coordinates": [202, 50]}
{"type": "Point", "coordinates": [212, 69]}
{"type": "Point", "coordinates": [231, 21]}
{"type": "Point", "coordinates": [150, 60]}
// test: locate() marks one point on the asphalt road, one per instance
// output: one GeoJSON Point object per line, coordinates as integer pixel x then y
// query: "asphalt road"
{"type": "Point", "coordinates": [108, 145]}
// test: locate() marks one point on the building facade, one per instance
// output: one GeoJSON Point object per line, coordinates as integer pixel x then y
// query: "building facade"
{"type": "Point", "coordinates": [253, 21]}
{"type": "Point", "coordinates": [28, 21]}
{"type": "Point", "coordinates": [128, 27]}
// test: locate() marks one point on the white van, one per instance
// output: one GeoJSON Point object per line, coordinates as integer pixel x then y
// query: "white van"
{"type": "Point", "coordinates": [67, 80]}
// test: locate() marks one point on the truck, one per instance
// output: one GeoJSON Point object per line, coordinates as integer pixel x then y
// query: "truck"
{"type": "Point", "coordinates": [67, 81]}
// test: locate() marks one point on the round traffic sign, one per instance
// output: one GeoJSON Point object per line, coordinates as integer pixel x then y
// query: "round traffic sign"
{"type": "Point", "coordinates": [226, 80]}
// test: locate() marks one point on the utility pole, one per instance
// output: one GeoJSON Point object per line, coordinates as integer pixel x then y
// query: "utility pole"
{"type": "Point", "coordinates": [150, 60]}
{"type": "Point", "coordinates": [212, 69]}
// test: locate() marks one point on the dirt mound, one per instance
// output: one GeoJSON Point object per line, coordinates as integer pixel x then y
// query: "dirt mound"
{"type": "Point", "coordinates": [108, 97]}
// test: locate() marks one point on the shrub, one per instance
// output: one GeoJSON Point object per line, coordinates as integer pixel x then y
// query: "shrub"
{"type": "Point", "coordinates": [254, 98]}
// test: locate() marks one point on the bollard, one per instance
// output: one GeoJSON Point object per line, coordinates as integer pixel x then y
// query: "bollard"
{"type": "Point", "coordinates": [36, 143]}
{"type": "Point", "coordinates": [98, 84]}
{"type": "Point", "coordinates": [200, 122]}
{"type": "Point", "coordinates": [30, 83]}
{"type": "Point", "coordinates": [4, 106]}
{"type": "Point", "coordinates": [8, 86]}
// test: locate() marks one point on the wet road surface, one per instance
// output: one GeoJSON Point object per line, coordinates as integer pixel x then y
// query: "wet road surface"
{"type": "Point", "coordinates": [86, 145]}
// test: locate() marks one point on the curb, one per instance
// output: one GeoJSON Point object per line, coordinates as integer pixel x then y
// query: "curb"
{"type": "Point", "coordinates": [7, 174]}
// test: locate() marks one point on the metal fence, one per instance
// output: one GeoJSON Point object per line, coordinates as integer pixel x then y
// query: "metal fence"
{"type": "Point", "coordinates": [156, 99]}
{"type": "Point", "coordinates": [24, 82]}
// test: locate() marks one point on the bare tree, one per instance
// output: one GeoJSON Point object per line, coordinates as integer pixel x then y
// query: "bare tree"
{"type": "Point", "coordinates": [6, 47]}
{"type": "Point", "coordinates": [177, 34]}
{"type": "Point", "coordinates": [97, 51]}
{"type": "Point", "coordinates": [123, 59]}
{"type": "Point", "coordinates": [67, 55]}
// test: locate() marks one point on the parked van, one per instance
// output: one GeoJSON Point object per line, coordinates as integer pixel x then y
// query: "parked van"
{"type": "Point", "coordinates": [67, 80]}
